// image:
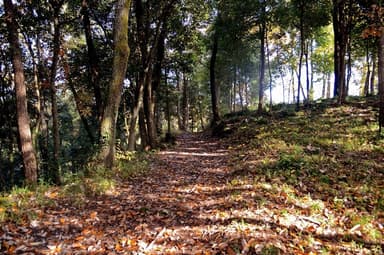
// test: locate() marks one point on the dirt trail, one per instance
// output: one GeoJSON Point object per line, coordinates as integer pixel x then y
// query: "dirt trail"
{"type": "Point", "coordinates": [171, 210]}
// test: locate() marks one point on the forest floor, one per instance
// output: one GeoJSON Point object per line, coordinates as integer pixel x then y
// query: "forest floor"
{"type": "Point", "coordinates": [293, 183]}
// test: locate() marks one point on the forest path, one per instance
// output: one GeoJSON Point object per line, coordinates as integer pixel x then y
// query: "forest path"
{"type": "Point", "coordinates": [179, 207]}
{"type": "Point", "coordinates": [202, 196]}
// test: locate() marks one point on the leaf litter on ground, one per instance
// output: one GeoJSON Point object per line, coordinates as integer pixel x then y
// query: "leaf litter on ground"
{"type": "Point", "coordinates": [308, 183]}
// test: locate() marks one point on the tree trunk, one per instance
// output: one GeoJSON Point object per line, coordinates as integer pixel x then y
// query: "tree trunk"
{"type": "Point", "coordinates": [178, 106]}
{"type": "Point", "coordinates": [149, 114]}
{"type": "Point", "coordinates": [93, 60]}
{"type": "Point", "coordinates": [269, 72]}
{"type": "Point", "coordinates": [152, 91]}
{"type": "Point", "coordinates": [185, 102]}
{"type": "Point", "coordinates": [302, 48]}
{"type": "Point", "coordinates": [340, 25]}
{"type": "Point", "coordinates": [373, 74]}
{"type": "Point", "coordinates": [328, 85]}
{"type": "Point", "coordinates": [120, 63]}
{"type": "Point", "coordinates": [324, 86]}
{"type": "Point", "coordinates": [23, 122]}
{"type": "Point", "coordinates": [168, 107]}
{"type": "Point", "coordinates": [262, 66]}
{"type": "Point", "coordinates": [52, 82]}
{"type": "Point", "coordinates": [349, 69]}
{"type": "Point", "coordinates": [213, 85]}
{"type": "Point", "coordinates": [143, 130]}
{"type": "Point", "coordinates": [306, 53]}
{"type": "Point", "coordinates": [36, 87]}
{"type": "Point", "coordinates": [381, 79]}
{"type": "Point", "coordinates": [368, 74]}
{"type": "Point", "coordinates": [241, 96]}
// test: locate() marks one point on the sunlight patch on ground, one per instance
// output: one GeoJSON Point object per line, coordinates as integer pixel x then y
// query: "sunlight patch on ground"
{"type": "Point", "coordinates": [190, 154]}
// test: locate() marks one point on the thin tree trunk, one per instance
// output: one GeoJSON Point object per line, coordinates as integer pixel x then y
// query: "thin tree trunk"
{"type": "Point", "coordinates": [36, 86]}
{"type": "Point", "coordinates": [241, 94]}
{"type": "Point", "coordinates": [307, 73]}
{"type": "Point", "coordinates": [23, 122]}
{"type": "Point", "coordinates": [143, 130]}
{"type": "Point", "coordinates": [120, 63]}
{"type": "Point", "coordinates": [293, 87]}
{"type": "Point", "coordinates": [302, 48]}
{"type": "Point", "coordinates": [269, 72]}
{"type": "Point", "coordinates": [185, 102]}
{"type": "Point", "coordinates": [201, 114]}
{"type": "Point", "coordinates": [283, 83]}
{"type": "Point", "coordinates": [152, 90]}
{"type": "Point", "coordinates": [234, 87]}
{"type": "Point", "coordinates": [168, 110]}
{"type": "Point", "coordinates": [368, 74]}
{"type": "Point", "coordinates": [373, 74]}
{"type": "Point", "coordinates": [349, 69]}
{"type": "Point", "coordinates": [328, 85]}
{"type": "Point", "coordinates": [381, 79]}
{"type": "Point", "coordinates": [213, 85]}
{"type": "Point", "coordinates": [324, 86]}
{"type": "Point", "coordinates": [311, 89]}
{"type": "Point", "coordinates": [262, 65]}
{"type": "Point", "coordinates": [52, 81]}
{"type": "Point", "coordinates": [178, 106]}
{"type": "Point", "coordinates": [149, 114]}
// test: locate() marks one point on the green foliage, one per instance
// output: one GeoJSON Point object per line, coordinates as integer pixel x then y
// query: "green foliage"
{"type": "Point", "coordinates": [96, 180]}
{"type": "Point", "coordinates": [133, 164]}
{"type": "Point", "coordinates": [18, 204]}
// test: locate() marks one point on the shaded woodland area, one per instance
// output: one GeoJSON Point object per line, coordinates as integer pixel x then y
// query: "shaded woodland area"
{"type": "Point", "coordinates": [89, 79]}
{"type": "Point", "coordinates": [191, 126]}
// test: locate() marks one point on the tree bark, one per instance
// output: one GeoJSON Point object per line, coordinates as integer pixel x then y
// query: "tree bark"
{"type": "Point", "coordinates": [270, 73]}
{"type": "Point", "coordinates": [302, 48]}
{"type": "Point", "coordinates": [27, 149]}
{"type": "Point", "coordinates": [52, 81]}
{"type": "Point", "coordinates": [36, 87]}
{"type": "Point", "coordinates": [262, 66]}
{"type": "Point", "coordinates": [213, 85]}
{"type": "Point", "coordinates": [185, 102]}
{"type": "Point", "coordinates": [120, 63]}
{"type": "Point", "coordinates": [341, 24]}
{"type": "Point", "coordinates": [152, 86]}
{"type": "Point", "coordinates": [368, 74]}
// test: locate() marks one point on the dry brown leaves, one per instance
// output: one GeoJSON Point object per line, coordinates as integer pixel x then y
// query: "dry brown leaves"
{"type": "Point", "coordinates": [187, 205]}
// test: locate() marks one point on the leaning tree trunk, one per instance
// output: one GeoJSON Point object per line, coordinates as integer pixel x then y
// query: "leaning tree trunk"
{"type": "Point", "coordinates": [23, 122]}
{"type": "Point", "coordinates": [120, 63]}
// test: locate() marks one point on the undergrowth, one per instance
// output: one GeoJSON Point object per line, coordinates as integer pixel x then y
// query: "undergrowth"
{"type": "Point", "coordinates": [324, 161]}
{"type": "Point", "coordinates": [94, 180]}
